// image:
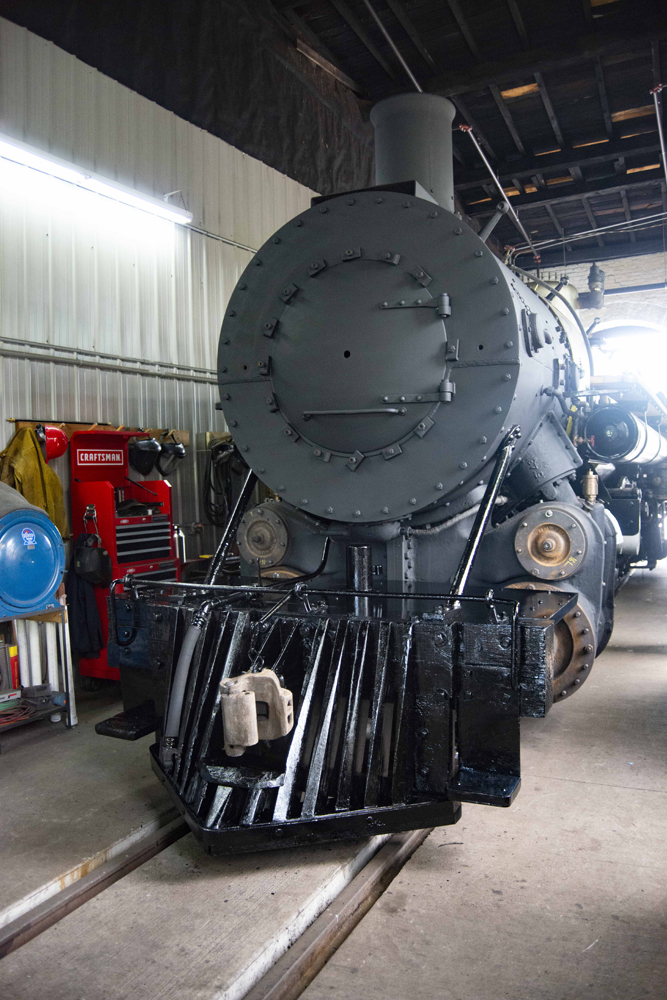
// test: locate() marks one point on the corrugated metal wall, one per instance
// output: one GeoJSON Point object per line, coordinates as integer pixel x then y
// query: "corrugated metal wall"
{"type": "Point", "coordinates": [80, 271]}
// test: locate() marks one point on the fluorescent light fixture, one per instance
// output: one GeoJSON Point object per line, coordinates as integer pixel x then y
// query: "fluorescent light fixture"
{"type": "Point", "coordinates": [27, 156]}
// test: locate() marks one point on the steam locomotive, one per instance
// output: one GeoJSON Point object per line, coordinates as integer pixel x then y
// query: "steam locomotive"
{"type": "Point", "coordinates": [437, 555]}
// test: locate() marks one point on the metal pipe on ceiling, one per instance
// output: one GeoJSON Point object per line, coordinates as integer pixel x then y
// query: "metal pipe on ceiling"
{"type": "Point", "coordinates": [656, 91]}
{"type": "Point", "coordinates": [392, 46]}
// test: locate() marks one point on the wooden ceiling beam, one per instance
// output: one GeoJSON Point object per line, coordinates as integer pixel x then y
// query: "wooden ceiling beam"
{"type": "Point", "coordinates": [518, 21]}
{"type": "Point", "coordinates": [566, 160]}
{"type": "Point", "coordinates": [399, 13]}
{"type": "Point", "coordinates": [628, 214]}
{"type": "Point", "coordinates": [357, 27]}
{"type": "Point", "coordinates": [544, 60]}
{"type": "Point", "coordinates": [459, 17]}
{"type": "Point", "coordinates": [549, 108]}
{"type": "Point", "coordinates": [575, 192]}
{"type": "Point", "coordinates": [557, 226]}
{"type": "Point", "coordinates": [554, 257]}
{"type": "Point", "coordinates": [592, 220]}
{"type": "Point", "coordinates": [604, 99]}
{"type": "Point", "coordinates": [507, 117]}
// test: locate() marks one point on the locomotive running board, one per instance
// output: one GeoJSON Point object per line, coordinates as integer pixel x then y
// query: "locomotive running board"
{"type": "Point", "coordinates": [398, 719]}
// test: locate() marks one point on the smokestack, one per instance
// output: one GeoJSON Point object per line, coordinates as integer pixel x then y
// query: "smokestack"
{"type": "Point", "coordinates": [413, 142]}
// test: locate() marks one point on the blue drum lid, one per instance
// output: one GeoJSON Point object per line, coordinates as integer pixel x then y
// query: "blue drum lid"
{"type": "Point", "coordinates": [32, 560]}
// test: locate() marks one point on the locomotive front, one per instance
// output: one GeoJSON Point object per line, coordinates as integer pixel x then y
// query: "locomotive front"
{"type": "Point", "coordinates": [431, 564]}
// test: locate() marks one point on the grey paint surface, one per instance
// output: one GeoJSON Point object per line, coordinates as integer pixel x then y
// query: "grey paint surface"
{"type": "Point", "coordinates": [563, 895]}
{"type": "Point", "coordinates": [307, 329]}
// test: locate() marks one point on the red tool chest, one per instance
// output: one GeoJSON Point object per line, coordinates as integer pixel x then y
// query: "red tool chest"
{"type": "Point", "coordinates": [134, 519]}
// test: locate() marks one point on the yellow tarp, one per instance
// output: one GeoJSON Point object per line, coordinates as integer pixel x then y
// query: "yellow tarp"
{"type": "Point", "coordinates": [23, 467]}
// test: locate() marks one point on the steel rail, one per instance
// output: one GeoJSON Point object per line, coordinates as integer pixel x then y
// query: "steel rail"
{"type": "Point", "coordinates": [308, 955]}
{"type": "Point", "coordinates": [38, 919]}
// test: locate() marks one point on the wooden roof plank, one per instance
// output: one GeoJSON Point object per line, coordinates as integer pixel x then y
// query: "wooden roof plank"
{"type": "Point", "coordinates": [509, 121]}
{"type": "Point", "coordinates": [357, 27]}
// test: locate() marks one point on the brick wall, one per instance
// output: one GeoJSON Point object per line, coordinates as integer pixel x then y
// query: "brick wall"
{"type": "Point", "coordinates": [649, 306]}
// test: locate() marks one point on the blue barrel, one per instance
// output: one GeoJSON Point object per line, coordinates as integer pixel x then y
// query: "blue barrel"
{"type": "Point", "coordinates": [32, 556]}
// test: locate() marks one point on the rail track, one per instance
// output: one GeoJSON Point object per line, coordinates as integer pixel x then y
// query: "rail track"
{"type": "Point", "coordinates": [299, 962]}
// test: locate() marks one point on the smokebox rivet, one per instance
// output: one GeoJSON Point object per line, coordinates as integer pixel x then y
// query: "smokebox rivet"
{"type": "Point", "coordinates": [524, 524]}
{"type": "Point", "coordinates": [509, 343]}
{"type": "Point", "coordinates": [233, 423]}
{"type": "Point", "coordinates": [261, 470]}
{"type": "Point", "coordinates": [323, 209]}
{"type": "Point", "coordinates": [563, 694]}
{"type": "Point", "coordinates": [458, 231]}
{"type": "Point", "coordinates": [494, 281]}
{"type": "Point", "coordinates": [245, 448]}
{"type": "Point", "coordinates": [226, 341]}
{"type": "Point", "coordinates": [226, 395]}
{"type": "Point", "coordinates": [223, 368]}
{"type": "Point", "coordinates": [242, 287]}
{"type": "Point", "coordinates": [519, 550]}
{"type": "Point", "coordinates": [232, 312]}
{"type": "Point", "coordinates": [418, 398]}
{"type": "Point", "coordinates": [401, 399]}
{"type": "Point", "coordinates": [507, 377]}
{"type": "Point", "coordinates": [439, 486]}
{"type": "Point", "coordinates": [317, 452]}
{"type": "Point", "coordinates": [385, 510]}
{"type": "Point", "coordinates": [378, 201]}
{"type": "Point", "coordinates": [483, 439]}
{"type": "Point", "coordinates": [463, 465]}
{"type": "Point", "coordinates": [413, 501]}
{"type": "Point", "coordinates": [407, 204]}
{"type": "Point", "coordinates": [258, 263]}
{"type": "Point", "coordinates": [478, 253]}
{"type": "Point", "coordinates": [357, 513]}
{"type": "Point", "coordinates": [276, 239]}
{"type": "Point", "coordinates": [281, 489]}
{"type": "Point", "coordinates": [580, 552]}
{"type": "Point", "coordinates": [385, 399]}
{"type": "Point", "coordinates": [351, 201]}
{"type": "Point", "coordinates": [304, 501]}
{"type": "Point", "coordinates": [497, 409]}
{"type": "Point", "coordinates": [505, 311]}
{"type": "Point", "coordinates": [433, 215]}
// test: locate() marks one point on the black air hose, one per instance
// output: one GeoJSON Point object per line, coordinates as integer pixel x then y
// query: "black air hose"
{"type": "Point", "coordinates": [177, 694]}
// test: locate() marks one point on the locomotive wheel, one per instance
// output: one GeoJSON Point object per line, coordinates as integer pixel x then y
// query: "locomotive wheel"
{"type": "Point", "coordinates": [574, 643]}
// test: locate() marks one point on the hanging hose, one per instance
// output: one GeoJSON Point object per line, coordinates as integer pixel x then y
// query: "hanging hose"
{"type": "Point", "coordinates": [177, 694]}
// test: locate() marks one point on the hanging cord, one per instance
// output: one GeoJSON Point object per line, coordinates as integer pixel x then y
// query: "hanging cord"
{"type": "Point", "coordinates": [222, 464]}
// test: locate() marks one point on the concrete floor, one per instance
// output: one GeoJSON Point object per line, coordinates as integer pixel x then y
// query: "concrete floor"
{"type": "Point", "coordinates": [67, 796]}
{"type": "Point", "coordinates": [563, 896]}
